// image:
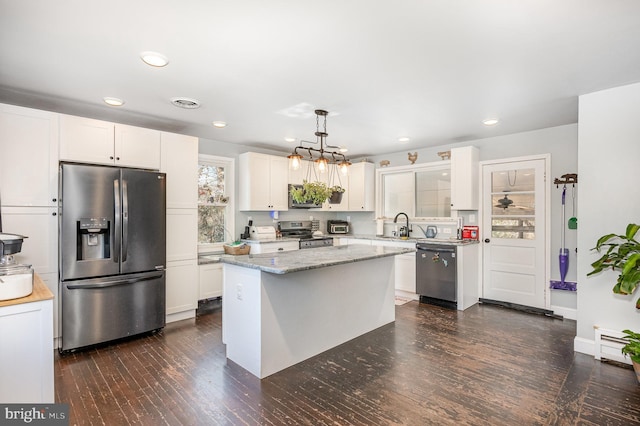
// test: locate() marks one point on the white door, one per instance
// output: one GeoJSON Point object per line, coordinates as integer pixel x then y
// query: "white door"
{"type": "Point", "coordinates": [514, 232]}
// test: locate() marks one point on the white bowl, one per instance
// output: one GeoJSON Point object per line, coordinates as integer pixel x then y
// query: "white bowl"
{"type": "Point", "coordinates": [15, 286]}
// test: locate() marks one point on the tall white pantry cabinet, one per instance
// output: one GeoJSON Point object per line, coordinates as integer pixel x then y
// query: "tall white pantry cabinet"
{"type": "Point", "coordinates": [29, 188]}
{"type": "Point", "coordinates": [179, 160]}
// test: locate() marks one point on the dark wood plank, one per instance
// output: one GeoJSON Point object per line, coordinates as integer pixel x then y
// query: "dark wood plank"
{"type": "Point", "coordinates": [486, 365]}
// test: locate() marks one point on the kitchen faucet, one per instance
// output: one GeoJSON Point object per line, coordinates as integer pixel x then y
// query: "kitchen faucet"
{"type": "Point", "coordinates": [395, 220]}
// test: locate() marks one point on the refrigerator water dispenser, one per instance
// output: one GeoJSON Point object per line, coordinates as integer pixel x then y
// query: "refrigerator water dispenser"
{"type": "Point", "coordinates": [93, 238]}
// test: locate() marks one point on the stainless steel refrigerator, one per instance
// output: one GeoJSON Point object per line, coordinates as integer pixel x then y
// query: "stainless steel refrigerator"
{"type": "Point", "coordinates": [112, 253]}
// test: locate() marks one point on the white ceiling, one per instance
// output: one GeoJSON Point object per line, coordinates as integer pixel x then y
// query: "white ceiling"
{"type": "Point", "coordinates": [430, 70]}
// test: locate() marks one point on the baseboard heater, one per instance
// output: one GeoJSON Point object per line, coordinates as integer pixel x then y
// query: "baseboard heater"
{"type": "Point", "coordinates": [523, 308]}
{"type": "Point", "coordinates": [608, 344]}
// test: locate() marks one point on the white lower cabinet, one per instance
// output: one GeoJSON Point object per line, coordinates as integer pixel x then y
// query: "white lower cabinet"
{"type": "Point", "coordinates": [51, 281]}
{"type": "Point", "coordinates": [405, 266]}
{"type": "Point", "coordinates": [406, 272]}
{"type": "Point", "coordinates": [182, 264]}
{"type": "Point", "coordinates": [182, 289]}
{"type": "Point", "coordinates": [210, 278]}
{"type": "Point", "coordinates": [26, 353]}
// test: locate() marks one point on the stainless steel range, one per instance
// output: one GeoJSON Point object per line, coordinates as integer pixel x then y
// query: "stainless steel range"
{"type": "Point", "coordinates": [304, 229]}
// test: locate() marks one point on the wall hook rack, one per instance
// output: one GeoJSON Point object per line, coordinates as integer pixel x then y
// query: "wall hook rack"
{"type": "Point", "coordinates": [569, 178]}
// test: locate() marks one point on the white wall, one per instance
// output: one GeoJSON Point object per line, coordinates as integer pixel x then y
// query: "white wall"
{"type": "Point", "coordinates": [608, 154]}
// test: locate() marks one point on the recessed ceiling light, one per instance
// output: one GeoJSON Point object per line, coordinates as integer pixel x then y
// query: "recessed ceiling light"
{"type": "Point", "coordinates": [290, 139]}
{"type": "Point", "coordinates": [113, 101]}
{"type": "Point", "coordinates": [187, 103]}
{"type": "Point", "coordinates": [154, 59]}
{"type": "Point", "coordinates": [344, 149]}
{"type": "Point", "coordinates": [490, 121]}
{"type": "Point", "coordinates": [403, 139]}
{"type": "Point", "coordinates": [219, 124]}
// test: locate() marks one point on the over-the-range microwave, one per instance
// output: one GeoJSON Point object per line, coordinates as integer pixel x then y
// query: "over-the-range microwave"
{"type": "Point", "coordinates": [295, 205]}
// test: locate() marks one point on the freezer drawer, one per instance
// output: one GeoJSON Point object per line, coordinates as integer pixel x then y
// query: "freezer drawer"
{"type": "Point", "coordinates": [104, 309]}
{"type": "Point", "coordinates": [436, 276]}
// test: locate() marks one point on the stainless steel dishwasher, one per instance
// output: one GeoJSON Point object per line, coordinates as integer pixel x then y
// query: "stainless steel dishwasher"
{"type": "Point", "coordinates": [436, 280]}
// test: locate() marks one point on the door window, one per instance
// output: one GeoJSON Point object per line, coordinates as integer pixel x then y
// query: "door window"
{"type": "Point", "coordinates": [513, 204]}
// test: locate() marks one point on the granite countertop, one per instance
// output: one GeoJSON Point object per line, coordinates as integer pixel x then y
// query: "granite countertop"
{"type": "Point", "coordinates": [302, 260]}
{"type": "Point", "coordinates": [450, 241]}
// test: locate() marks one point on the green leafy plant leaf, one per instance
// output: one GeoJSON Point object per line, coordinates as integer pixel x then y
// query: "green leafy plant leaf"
{"type": "Point", "coordinates": [621, 254]}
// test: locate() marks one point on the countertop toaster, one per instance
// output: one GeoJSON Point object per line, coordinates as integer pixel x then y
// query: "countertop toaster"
{"type": "Point", "coordinates": [337, 227]}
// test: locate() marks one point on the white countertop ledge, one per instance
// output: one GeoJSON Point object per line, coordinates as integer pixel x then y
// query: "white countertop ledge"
{"type": "Point", "coordinates": [302, 260]}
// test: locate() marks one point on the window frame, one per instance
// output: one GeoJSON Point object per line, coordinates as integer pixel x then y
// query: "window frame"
{"type": "Point", "coordinates": [229, 191]}
{"type": "Point", "coordinates": [413, 169]}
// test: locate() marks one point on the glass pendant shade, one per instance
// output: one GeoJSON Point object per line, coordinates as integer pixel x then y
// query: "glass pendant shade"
{"type": "Point", "coordinates": [322, 164]}
{"type": "Point", "coordinates": [344, 167]}
{"type": "Point", "coordinates": [294, 161]}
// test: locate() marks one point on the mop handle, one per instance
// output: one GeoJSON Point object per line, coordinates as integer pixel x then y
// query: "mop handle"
{"type": "Point", "coordinates": [564, 190]}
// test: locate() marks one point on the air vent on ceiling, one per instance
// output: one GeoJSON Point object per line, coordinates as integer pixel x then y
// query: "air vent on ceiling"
{"type": "Point", "coordinates": [186, 103]}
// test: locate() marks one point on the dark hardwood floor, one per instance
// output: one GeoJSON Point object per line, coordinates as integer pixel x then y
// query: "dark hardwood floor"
{"type": "Point", "coordinates": [485, 366]}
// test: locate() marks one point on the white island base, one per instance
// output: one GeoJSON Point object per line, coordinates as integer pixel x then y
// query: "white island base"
{"type": "Point", "coordinates": [273, 321]}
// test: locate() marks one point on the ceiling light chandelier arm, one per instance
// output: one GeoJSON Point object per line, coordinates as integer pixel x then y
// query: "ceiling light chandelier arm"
{"type": "Point", "coordinates": [322, 162]}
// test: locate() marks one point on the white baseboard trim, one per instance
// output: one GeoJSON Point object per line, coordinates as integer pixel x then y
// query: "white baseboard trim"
{"type": "Point", "coordinates": [584, 346]}
{"type": "Point", "coordinates": [179, 316]}
{"type": "Point", "coordinates": [566, 313]}
{"type": "Point", "coordinates": [407, 295]}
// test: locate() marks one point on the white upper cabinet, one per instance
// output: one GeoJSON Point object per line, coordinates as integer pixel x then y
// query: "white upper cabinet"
{"type": "Point", "coordinates": [28, 157]}
{"type": "Point", "coordinates": [179, 160]}
{"type": "Point", "coordinates": [93, 141]}
{"type": "Point", "coordinates": [464, 178]}
{"type": "Point", "coordinates": [263, 182]}
{"type": "Point", "coordinates": [361, 187]}
{"type": "Point", "coordinates": [137, 147]}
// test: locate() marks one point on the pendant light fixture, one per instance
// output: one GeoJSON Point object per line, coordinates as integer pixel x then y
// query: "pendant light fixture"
{"type": "Point", "coordinates": [322, 162]}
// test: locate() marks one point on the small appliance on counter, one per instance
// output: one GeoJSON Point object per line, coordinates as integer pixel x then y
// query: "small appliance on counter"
{"type": "Point", "coordinates": [470, 232]}
{"type": "Point", "coordinates": [16, 280]}
{"type": "Point", "coordinates": [262, 233]}
{"type": "Point", "coordinates": [337, 227]}
{"type": "Point", "coordinates": [431, 232]}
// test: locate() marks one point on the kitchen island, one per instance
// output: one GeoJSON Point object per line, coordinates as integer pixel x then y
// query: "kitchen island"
{"type": "Point", "coordinates": [281, 308]}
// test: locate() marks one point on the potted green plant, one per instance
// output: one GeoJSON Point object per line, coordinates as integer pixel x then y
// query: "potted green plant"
{"type": "Point", "coordinates": [336, 194]}
{"type": "Point", "coordinates": [316, 192]}
{"type": "Point", "coordinates": [621, 253]}
{"type": "Point", "coordinates": [632, 350]}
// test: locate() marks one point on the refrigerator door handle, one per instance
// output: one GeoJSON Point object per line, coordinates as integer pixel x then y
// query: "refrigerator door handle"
{"type": "Point", "coordinates": [116, 231]}
{"type": "Point", "coordinates": [112, 283]}
{"type": "Point", "coordinates": [125, 220]}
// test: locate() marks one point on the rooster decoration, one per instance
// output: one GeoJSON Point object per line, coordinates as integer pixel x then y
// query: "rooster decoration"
{"type": "Point", "coordinates": [413, 157]}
